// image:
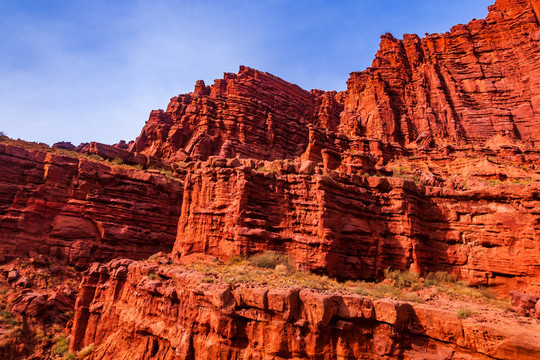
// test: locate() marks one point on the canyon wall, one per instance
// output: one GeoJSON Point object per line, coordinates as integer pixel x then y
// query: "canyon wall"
{"type": "Point", "coordinates": [80, 210]}
{"type": "Point", "coordinates": [466, 86]}
{"type": "Point", "coordinates": [466, 91]}
{"type": "Point", "coordinates": [250, 114]}
{"type": "Point", "coordinates": [146, 311]}
{"type": "Point", "coordinates": [334, 222]}
{"type": "Point", "coordinates": [477, 81]}
{"type": "Point", "coordinates": [355, 227]}
{"type": "Point", "coordinates": [261, 164]}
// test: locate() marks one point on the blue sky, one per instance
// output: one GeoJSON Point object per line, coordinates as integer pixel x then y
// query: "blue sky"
{"type": "Point", "coordinates": [92, 70]}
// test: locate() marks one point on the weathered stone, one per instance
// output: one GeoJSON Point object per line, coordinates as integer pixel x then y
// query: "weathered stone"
{"type": "Point", "coordinates": [365, 225]}
{"type": "Point", "coordinates": [81, 210]}
{"type": "Point", "coordinates": [121, 322]}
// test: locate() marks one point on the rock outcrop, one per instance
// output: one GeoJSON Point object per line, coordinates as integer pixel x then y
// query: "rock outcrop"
{"type": "Point", "coordinates": [355, 227]}
{"type": "Point", "coordinates": [473, 83]}
{"type": "Point", "coordinates": [37, 300]}
{"type": "Point", "coordinates": [79, 210]}
{"type": "Point", "coordinates": [250, 114]}
{"type": "Point", "coordinates": [142, 311]}
{"type": "Point", "coordinates": [427, 162]}
{"type": "Point", "coordinates": [526, 305]}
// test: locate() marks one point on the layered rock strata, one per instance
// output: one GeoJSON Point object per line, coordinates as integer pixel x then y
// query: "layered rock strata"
{"type": "Point", "coordinates": [143, 311]}
{"type": "Point", "coordinates": [431, 102]}
{"type": "Point", "coordinates": [469, 85]}
{"type": "Point", "coordinates": [79, 210]}
{"type": "Point", "coordinates": [477, 81]}
{"type": "Point", "coordinates": [354, 227]}
{"type": "Point", "coordinates": [250, 114]}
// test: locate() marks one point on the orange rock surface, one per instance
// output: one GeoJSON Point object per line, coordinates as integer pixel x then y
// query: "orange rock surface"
{"type": "Point", "coordinates": [250, 114]}
{"type": "Point", "coordinates": [80, 211]}
{"type": "Point", "coordinates": [146, 311]}
{"type": "Point", "coordinates": [429, 161]}
{"type": "Point", "coordinates": [355, 227]}
{"type": "Point", "coordinates": [474, 83]}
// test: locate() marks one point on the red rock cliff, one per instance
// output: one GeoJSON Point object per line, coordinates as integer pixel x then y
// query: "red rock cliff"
{"type": "Point", "coordinates": [351, 226]}
{"type": "Point", "coordinates": [468, 85]}
{"type": "Point", "coordinates": [250, 114]}
{"type": "Point", "coordinates": [460, 108]}
{"type": "Point", "coordinates": [146, 311]}
{"type": "Point", "coordinates": [80, 210]}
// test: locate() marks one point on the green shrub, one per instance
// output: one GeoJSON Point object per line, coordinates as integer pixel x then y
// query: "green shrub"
{"type": "Point", "coordinates": [463, 313]}
{"type": "Point", "coordinates": [487, 292]}
{"type": "Point", "coordinates": [412, 297]}
{"type": "Point", "coordinates": [403, 279]}
{"type": "Point", "coordinates": [403, 169]}
{"type": "Point", "coordinates": [282, 268]}
{"type": "Point", "coordinates": [40, 336]}
{"type": "Point", "coordinates": [235, 260]}
{"type": "Point", "coordinates": [117, 161]}
{"type": "Point", "coordinates": [494, 182]}
{"type": "Point", "coordinates": [85, 352]}
{"type": "Point", "coordinates": [25, 144]}
{"type": "Point", "coordinates": [61, 346]}
{"type": "Point", "coordinates": [360, 290]}
{"type": "Point", "coordinates": [153, 276]}
{"type": "Point", "coordinates": [438, 278]}
{"type": "Point", "coordinates": [162, 171]}
{"type": "Point", "coordinates": [265, 170]}
{"type": "Point", "coordinates": [270, 259]}
{"type": "Point", "coordinates": [386, 290]}
{"type": "Point", "coordinates": [95, 157]}
{"type": "Point", "coordinates": [525, 181]}
{"type": "Point", "coordinates": [6, 317]}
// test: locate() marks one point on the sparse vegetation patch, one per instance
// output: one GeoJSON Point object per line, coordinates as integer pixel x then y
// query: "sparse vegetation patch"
{"type": "Point", "coordinates": [463, 313]}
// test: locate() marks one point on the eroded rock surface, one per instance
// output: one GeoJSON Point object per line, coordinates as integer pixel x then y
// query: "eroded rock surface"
{"type": "Point", "coordinates": [80, 211]}
{"type": "Point", "coordinates": [143, 311]}
{"type": "Point", "coordinates": [471, 84]}
{"type": "Point", "coordinates": [427, 162]}
{"type": "Point", "coordinates": [478, 82]}
{"type": "Point", "coordinates": [250, 114]}
{"type": "Point", "coordinates": [355, 227]}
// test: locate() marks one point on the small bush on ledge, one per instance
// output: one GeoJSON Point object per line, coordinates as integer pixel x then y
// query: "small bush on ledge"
{"type": "Point", "coordinates": [463, 313]}
{"type": "Point", "coordinates": [270, 259]}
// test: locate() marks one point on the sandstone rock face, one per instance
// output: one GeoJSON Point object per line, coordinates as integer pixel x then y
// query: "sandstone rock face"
{"type": "Point", "coordinates": [526, 305]}
{"type": "Point", "coordinates": [428, 162]}
{"type": "Point", "coordinates": [37, 300]}
{"type": "Point", "coordinates": [250, 114]}
{"type": "Point", "coordinates": [354, 227]}
{"type": "Point", "coordinates": [322, 177]}
{"type": "Point", "coordinates": [179, 317]}
{"type": "Point", "coordinates": [82, 211]}
{"type": "Point", "coordinates": [477, 81]}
